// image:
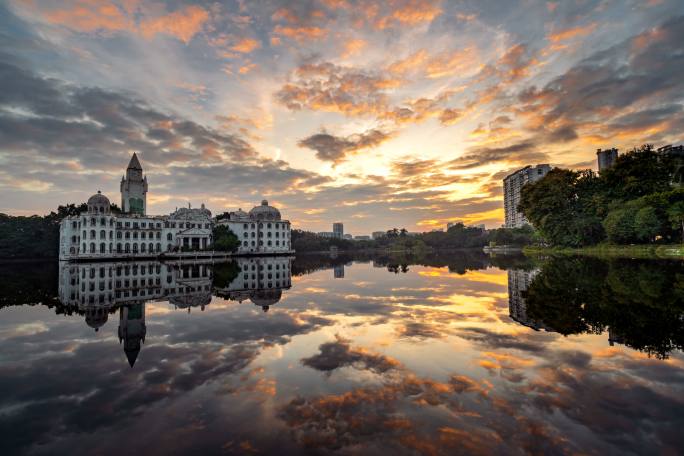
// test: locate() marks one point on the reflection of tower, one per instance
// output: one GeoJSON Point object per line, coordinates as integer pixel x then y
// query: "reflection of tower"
{"type": "Point", "coordinates": [518, 282]}
{"type": "Point", "coordinates": [132, 329]}
{"type": "Point", "coordinates": [339, 271]}
{"type": "Point", "coordinates": [134, 188]}
{"type": "Point", "coordinates": [614, 338]}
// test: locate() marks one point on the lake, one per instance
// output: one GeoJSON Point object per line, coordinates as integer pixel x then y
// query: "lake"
{"type": "Point", "coordinates": [456, 353]}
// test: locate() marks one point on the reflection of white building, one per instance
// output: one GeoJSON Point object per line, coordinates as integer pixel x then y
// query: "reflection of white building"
{"type": "Point", "coordinates": [101, 233]}
{"type": "Point", "coordinates": [261, 280]}
{"type": "Point", "coordinates": [518, 282]}
{"type": "Point", "coordinates": [262, 230]}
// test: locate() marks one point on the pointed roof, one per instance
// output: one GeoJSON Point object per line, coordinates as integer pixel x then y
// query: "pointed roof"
{"type": "Point", "coordinates": [132, 355]}
{"type": "Point", "coordinates": [134, 163]}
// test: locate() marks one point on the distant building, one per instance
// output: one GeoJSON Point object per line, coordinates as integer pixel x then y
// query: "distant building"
{"type": "Point", "coordinates": [338, 230]}
{"type": "Point", "coordinates": [513, 184]}
{"type": "Point", "coordinates": [449, 225]}
{"type": "Point", "coordinates": [479, 225]}
{"type": "Point", "coordinates": [349, 237]}
{"type": "Point", "coordinates": [606, 158]}
{"type": "Point", "coordinates": [362, 238]}
{"type": "Point", "coordinates": [378, 234]}
{"type": "Point", "coordinates": [326, 234]}
{"type": "Point", "coordinates": [676, 153]}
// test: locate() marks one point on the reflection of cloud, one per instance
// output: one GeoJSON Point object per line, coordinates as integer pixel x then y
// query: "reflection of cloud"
{"type": "Point", "coordinates": [334, 355]}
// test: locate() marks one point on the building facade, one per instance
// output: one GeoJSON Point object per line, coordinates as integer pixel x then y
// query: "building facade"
{"type": "Point", "coordinates": [606, 158]}
{"type": "Point", "coordinates": [338, 230]}
{"type": "Point", "coordinates": [262, 230]}
{"type": "Point", "coordinates": [100, 233]}
{"type": "Point", "coordinates": [513, 184]}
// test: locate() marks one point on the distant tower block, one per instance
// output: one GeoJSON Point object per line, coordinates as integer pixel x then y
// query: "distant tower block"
{"type": "Point", "coordinates": [134, 189]}
{"type": "Point", "coordinates": [606, 158]}
{"type": "Point", "coordinates": [338, 230]}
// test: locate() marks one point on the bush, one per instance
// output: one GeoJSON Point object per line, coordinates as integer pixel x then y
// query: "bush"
{"type": "Point", "coordinates": [620, 226]}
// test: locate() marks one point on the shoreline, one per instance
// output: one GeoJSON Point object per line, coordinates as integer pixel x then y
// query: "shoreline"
{"type": "Point", "coordinates": [646, 251]}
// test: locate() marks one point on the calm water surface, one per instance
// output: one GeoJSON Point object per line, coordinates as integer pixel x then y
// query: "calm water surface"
{"type": "Point", "coordinates": [449, 354]}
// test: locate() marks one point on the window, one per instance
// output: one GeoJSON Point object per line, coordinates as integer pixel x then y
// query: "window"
{"type": "Point", "coordinates": [169, 237]}
{"type": "Point", "coordinates": [142, 235]}
{"type": "Point", "coordinates": [73, 238]}
{"type": "Point", "coordinates": [128, 235]}
{"type": "Point", "coordinates": [118, 234]}
{"type": "Point", "coordinates": [73, 225]}
{"type": "Point", "coordinates": [103, 222]}
{"type": "Point", "coordinates": [92, 234]}
{"type": "Point", "coordinates": [158, 235]}
{"type": "Point", "coordinates": [158, 247]}
{"type": "Point", "coordinates": [142, 248]}
{"type": "Point", "coordinates": [103, 234]}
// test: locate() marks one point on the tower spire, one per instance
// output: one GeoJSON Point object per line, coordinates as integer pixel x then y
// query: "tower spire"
{"type": "Point", "coordinates": [134, 163]}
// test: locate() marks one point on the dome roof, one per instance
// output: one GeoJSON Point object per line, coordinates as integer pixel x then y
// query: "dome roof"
{"type": "Point", "coordinates": [265, 212]}
{"type": "Point", "coordinates": [96, 317]}
{"type": "Point", "coordinates": [99, 203]}
{"type": "Point", "coordinates": [265, 298]}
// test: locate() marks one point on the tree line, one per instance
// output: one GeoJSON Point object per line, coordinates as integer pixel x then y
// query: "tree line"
{"type": "Point", "coordinates": [634, 201]}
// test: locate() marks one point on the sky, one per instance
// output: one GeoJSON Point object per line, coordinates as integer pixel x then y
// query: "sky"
{"type": "Point", "coordinates": [379, 114]}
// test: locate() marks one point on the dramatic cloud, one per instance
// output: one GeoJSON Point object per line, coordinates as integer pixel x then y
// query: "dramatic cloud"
{"type": "Point", "coordinates": [334, 148]}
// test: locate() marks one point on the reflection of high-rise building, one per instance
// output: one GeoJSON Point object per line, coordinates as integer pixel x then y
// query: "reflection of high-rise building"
{"type": "Point", "coordinates": [338, 271]}
{"type": "Point", "coordinates": [518, 282]}
{"type": "Point", "coordinates": [513, 184]}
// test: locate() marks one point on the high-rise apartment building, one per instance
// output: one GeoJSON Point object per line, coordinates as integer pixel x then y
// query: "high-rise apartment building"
{"type": "Point", "coordinates": [338, 230]}
{"type": "Point", "coordinates": [513, 184]}
{"type": "Point", "coordinates": [606, 158]}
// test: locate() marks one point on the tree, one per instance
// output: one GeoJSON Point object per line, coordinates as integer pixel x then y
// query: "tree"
{"type": "Point", "coordinates": [675, 215]}
{"type": "Point", "coordinates": [560, 207]}
{"type": "Point", "coordinates": [620, 226]}
{"type": "Point", "coordinates": [224, 239]}
{"type": "Point", "coordinates": [647, 224]}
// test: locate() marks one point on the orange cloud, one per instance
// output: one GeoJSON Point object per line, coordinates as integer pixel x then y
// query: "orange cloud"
{"type": "Point", "coordinates": [353, 47]}
{"type": "Point", "coordinates": [409, 12]}
{"type": "Point", "coordinates": [183, 24]}
{"type": "Point", "coordinates": [300, 33]}
{"type": "Point", "coordinates": [90, 16]}
{"type": "Point", "coordinates": [246, 45]}
{"type": "Point", "coordinates": [571, 33]}
{"type": "Point", "coordinates": [459, 62]}
{"type": "Point", "coordinates": [412, 62]}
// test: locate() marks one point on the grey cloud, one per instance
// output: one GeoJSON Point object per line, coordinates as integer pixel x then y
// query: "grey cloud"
{"type": "Point", "coordinates": [336, 148]}
{"type": "Point", "coordinates": [338, 354]}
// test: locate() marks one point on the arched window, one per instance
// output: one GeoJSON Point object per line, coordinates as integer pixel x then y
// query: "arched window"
{"type": "Point", "coordinates": [111, 247]}
{"type": "Point", "coordinates": [127, 248]}
{"type": "Point", "coordinates": [253, 244]}
{"type": "Point", "coordinates": [169, 237]}
{"type": "Point", "coordinates": [103, 248]}
{"type": "Point", "coordinates": [158, 235]}
{"type": "Point", "coordinates": [103, 234]}
{"type": "Point", "coordinates": [269, 243]}
{"type": "Point", "coordinates": [128, 235]}
{"type": "Point", "coordinates": [169, 248]}
{"type": "Point", "coordinates": [268, 225]}
{"type": "Point", "coordinates": [92, 247]}
{"type": "Point", "coordinates": [245, 243]}
{"type": "Point", "coordinates": [151, 247]}
{"type": "Point", "coordinates": [103, 222]}
{"type": "Point", "coordinates": [72, 251]}
{"type": "Point", "coordinates": [142, 247]}
{"type": "Point", "coordinates": [118, 234]}
{"type": "Point", "coordinates": [118, 247]}
{"type": "Point", "coordinates": [158, 247]}
{"type": "Point", "coordinates": [84, 248]}
{"type": "Point", "coordinates": [92, 234]}
{"type": "Point", "coordinates": [135, 247]}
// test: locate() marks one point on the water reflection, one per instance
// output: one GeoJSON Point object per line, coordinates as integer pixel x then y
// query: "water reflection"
{"type": "Point", "coordinates": [97, 290]}
{"type": "Point", "coordinates": [442, 354]}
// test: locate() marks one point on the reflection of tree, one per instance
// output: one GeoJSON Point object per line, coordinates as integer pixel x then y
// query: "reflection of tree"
{"type": "Point", "coordinates": [31, 283]}
{"type": "Point", "coordinates": [642, 302]}
{"type": "Point", "coordinates": [225, 273]}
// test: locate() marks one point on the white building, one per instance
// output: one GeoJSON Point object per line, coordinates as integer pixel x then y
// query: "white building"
{"type": "Point", "coordinates": [262, 230]}
{"type": "Point", "coordinates": [100, 233]}
{"type": "Point", "coordinates": [513, 184]}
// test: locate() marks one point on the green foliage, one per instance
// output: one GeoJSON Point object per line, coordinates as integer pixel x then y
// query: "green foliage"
{"type": "Point", "coordinates": [224, 274]}
{"type": "Point", "coordinates": [629, 202]}
{"type": "Point", "coordinates": [224, 239]}
{"type": "Point", "coordinates": [641, 303]}
{"type": "Point", "coordinates": [619, 226]}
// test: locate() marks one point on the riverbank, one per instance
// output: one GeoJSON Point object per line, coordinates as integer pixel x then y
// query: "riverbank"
{"type": "Point", "coordinates": [613, 251]}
